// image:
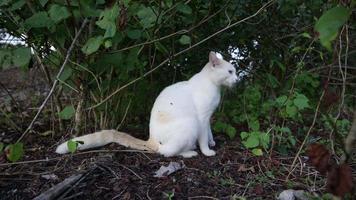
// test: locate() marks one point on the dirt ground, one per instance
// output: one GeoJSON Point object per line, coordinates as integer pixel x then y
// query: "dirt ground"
{"type": "Point", "coordinates": [113, 172]}
{"type": "Point", "coordinates": [117, 173]}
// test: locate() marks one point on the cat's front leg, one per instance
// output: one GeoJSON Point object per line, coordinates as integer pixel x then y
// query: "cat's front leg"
{"type": "Point", "coordinates": [203, 140]}
{"type": "Point", "coordinates": [210, 136]}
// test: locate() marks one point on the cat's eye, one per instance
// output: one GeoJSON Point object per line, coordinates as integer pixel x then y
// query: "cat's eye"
{"type": "Point", "coordinates": [230, 71]}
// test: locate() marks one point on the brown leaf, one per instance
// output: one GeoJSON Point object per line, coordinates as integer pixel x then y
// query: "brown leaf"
{"type": "Point", "coordinates": [126, 196]}
{"type": "Point", "coordinates": [339, 180]}
{"type": "Point", "coordinates": [243, 168]}
{"type": "Point", "coordinates": [319, 157]}
{"type": "Point", "coordinates": [258, 190]}
{"type": "Point", "coordinates": [339, 177]}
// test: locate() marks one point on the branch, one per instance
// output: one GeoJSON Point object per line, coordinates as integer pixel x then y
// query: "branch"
{"type": "Point", "coordinates": [310, 129]}
{"type": "Point", "coordinates": [183, 51]}
{"type": "Point", "coordinates": [180, 32]}
{"type": "Point", "coordinates": [350, 140]}
{"type": "Point", "coordinates": [56, 81]}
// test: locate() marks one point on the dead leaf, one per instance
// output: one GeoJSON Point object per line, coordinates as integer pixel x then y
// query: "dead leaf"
{"type": "Point", "coordinates": [339, 180]}
{"type": "Point", "coordinates": [243, 168]}
{"type": "Point", "coordinates": [50, 176]}
{"type": "Point", "coordinates": [319, 157]}
{"type": "Point", "coordinates": [339, 177]}
{"type": "Point", "coordinates": [171, 168]}
{"type": "Point", "coordinates": [47, 133]}
{"type": "Point", "coordinates": [258, 190]}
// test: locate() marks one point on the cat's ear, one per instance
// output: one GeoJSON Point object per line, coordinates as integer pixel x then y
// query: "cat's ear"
{"type": "Point", "coordinates": [213, 59]}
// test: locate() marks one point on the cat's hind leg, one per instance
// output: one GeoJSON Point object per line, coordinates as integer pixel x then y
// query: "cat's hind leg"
{"type": "Point", "coordinates": [169, 150]}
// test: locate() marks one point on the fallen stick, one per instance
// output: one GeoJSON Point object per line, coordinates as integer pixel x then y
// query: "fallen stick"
{"type": "Point", "coordinates": [58, 189]}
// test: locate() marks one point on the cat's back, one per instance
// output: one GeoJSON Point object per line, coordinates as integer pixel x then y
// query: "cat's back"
{"type": "Point", "coordinates": [174, 104]}
{"type": "Point", "coordinates": [176, 93]}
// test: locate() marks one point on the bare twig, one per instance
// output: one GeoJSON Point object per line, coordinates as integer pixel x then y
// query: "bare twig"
{"type": "Point", "coordinates": [56, 81]}
{"type": "Point", "coordinates": [202, 197]}
{"type": "Point", "coordinates": [56, 99]}
{"type": "Point", "coordinates": [350, 140]}
{"type": "Point", "coordinates": [134, 173]}
{"type": "Point", "coordinates": [125, 114]}
{"type": "Point", "coordinates": [308, 133]}
{"type": "Point", "coordinates": [183, 51]}
{"type": "Point", "coordinates": [71, 155]}
{"type": "Point", "coordinates": [344, 79]}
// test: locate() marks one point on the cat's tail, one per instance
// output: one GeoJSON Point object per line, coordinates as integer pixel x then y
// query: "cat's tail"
{"type": "Point", "coordinates": [104, 137]}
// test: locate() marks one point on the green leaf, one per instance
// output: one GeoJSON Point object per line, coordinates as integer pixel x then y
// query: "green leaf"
{"type": "Point", "coordinates": [14, 151]}
{"type": "Point", "coordinates": [92, 45]}
{"type": "Point", "coordinates": [306, 35]}
{"type": "Point", "coordinates": [22, 57]}
{"type": "Point", "coordinates": [279, 64]}
{"type": "Point", "coordinates": [4, 2]}
{"type": "Point", "coordinates": [159, 46]}
{"type": "Point", "coordinates": [264, 140]}
{"type": "Point", "coordinates": [88, 8]}
{"type": "Point", "coordinates": [184, 39]}
{"type": "Point", "coordinates": [110, 30]}
{"type": "Point", "coordinates": [296, 49]}
{"type": "Point", "coordinates": [231, 132]}
{"type": "Point", "coordinates": [220, 126]}
{"type": "Point", "coordinates": [254, 124]}
{"type": "Point", "coordinates": [43, 2]}
{"type": "Point", "coordinates": [257, 152]}
{"type": "Point", "coordinates": [292, 140]}
{"type": "Point", "coordinates": [285, 130]}
{"type": "Point", "coordinates": [107, 21]}
{"type": "Point", "coordinates": [72, 146]}
{"type": "Point", "coordinates": [38, 20]}
{"type": "Point", "coordinates": [329, 24]}
{"type": "Point", "coordinates": [100, 2]}
{"type": "Point", "coordinates": [291, 110]}
{"type": "Point", "coordinates": [6, 58]}
{"type": "Point", "coordinates": [251, 142]}
{"type": "Point", "coordinates": [147, 17]}
{"type": "Point", "coordinates": [107, 44]}
{"type": "Point", "coordinates": [58, 13]}
{"type": "Point", "coordinates": [126, 2]}
{"type": "Point", "coordinates": [184, 8]}
{"type": "Point", "coordinates": [272, 80]}
{"type": "Point", "coordinates": [244, 135]}
{"type": "Point", "coordinates": [67, 73]}
{"type": "Point", "coordinates": [281, 100]}
{"type": "Point", "coordinates": [17, 5]}
{"type": "Point", "coordinates": [67, 113]}
{"type": "Point", "coordinates": [134, 34]}
{"type": "Point", "coordinates": [301, 101]}
{"type": "Point", "coordinates": [1, 147]}
{"type": "Point", "coordinates": [168, 3]}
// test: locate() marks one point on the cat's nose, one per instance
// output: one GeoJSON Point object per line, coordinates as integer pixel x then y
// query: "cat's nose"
{"type": "Point", "coordinates": [235, 78]}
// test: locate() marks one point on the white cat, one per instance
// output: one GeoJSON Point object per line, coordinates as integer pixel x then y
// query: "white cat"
{"type": "Point", "coordinates": [180, 116]}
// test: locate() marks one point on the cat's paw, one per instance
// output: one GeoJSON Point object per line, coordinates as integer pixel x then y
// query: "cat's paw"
{"type": "Point", "coordinates": [211, 143]}
{"type": "Point", "coordinates": [189, 154]}
{"type": "Point", "coordinates": [209, 152]}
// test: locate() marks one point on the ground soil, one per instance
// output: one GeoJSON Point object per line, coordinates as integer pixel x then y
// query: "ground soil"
{"type": "Point", "coordinates": [113, 172]}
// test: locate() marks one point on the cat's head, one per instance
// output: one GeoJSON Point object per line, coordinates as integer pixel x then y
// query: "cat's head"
{"type": "Point", "coordinates": [222, 72]}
